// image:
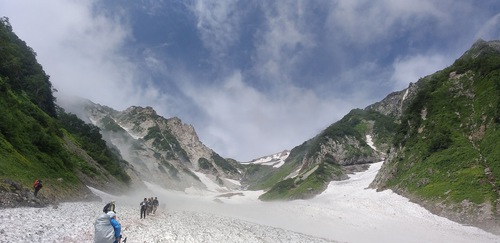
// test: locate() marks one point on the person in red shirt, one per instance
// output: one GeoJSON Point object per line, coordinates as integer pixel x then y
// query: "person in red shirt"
{"type": "Point", "coordinates": [37, 186]}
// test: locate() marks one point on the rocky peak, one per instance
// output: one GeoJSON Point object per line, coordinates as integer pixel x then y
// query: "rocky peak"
{"type": "Point", "coordinates": [164, 151]}
{"type": "Point", "coordinates": [184, 132]}
{"type": "Point", "coordinates": [138, 110]}
{"type": "Point", "coordinates": [481, 47]}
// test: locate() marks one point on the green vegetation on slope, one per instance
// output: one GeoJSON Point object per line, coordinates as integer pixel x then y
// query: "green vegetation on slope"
{"type": "Point", "coordinates": [164, 140]}
{"type": "Point", "coordinates": [32, 140]}
{"type": "Point", "coordinates": [356, 124]}
{"type": "Point", "coordinates": [298, 188]}
{"type": "Point", "coordinates": [21, 71]}
{"type": "Point", "coordinates": [450, 131]}
{"type": "Point", "coordinates": [224, 164]}
{"type": "Point", "coordinates": [90, 139]}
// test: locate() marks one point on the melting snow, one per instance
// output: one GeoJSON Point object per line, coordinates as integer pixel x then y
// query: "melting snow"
{"type": "Point", "coordinates": [345, 212]}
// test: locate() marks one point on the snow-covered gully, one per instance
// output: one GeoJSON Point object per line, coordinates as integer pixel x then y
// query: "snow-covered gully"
{"type": "Point", "coordinates": [345, 212]}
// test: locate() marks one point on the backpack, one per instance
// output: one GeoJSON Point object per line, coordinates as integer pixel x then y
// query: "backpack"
{"type": "Point", "coordinates": [104, 231]}
{"type": "Point", "coordinates": [106, 208]}
{"type": "Point", "coordinates": [35, 184]}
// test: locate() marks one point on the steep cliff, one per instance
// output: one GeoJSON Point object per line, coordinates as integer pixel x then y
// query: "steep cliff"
{"type": "Point", "coordinates": [162, 151]}
{"type": "Point", "coordinates": [445, 153]}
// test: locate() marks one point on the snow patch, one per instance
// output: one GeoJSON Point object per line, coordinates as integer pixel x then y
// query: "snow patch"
{"type": "Point", "coordinates": [275, 160]}
{"type": "Point", "coordinates": [369, 141]}
{"type": "Point", "coordinates": [406, 94]}
{"type": "Point", "coordinates": [345, 212]}
{"type": "Point", "coordinates": [129, 133]}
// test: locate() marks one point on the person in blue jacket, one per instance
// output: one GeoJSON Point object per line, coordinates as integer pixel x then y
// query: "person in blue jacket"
{"type": "Point", "coordinates": [116, 226]}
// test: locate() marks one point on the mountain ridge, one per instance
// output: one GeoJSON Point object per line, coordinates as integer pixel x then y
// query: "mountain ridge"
{"type": "Point", "coordinates": [162, 150]}
{"type": "Point", "coordinates": [438, 138]}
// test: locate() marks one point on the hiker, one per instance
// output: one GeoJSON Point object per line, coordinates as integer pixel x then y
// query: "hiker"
{"type": "Point", "coordinates": [155, 204]}
{"type": "Point", "coordinates": [109, 207]}
{"type": "Point", "coordinates": [144, 207]}
{"type": "Point", "coordinates": [150, 205]}
{"type": "Point", "coordinates": [37, 186]}
{"type": "Point", "coordinates": [107, 229]}
{"type": "Point", "coordinates": [116, 226]}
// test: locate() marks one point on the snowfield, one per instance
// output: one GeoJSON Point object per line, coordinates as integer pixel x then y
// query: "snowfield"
{"type": "Point", "coordinates": [345, 212]}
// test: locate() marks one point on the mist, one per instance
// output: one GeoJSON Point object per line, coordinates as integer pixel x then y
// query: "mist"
{"type": "Point", "coordinates": [347, 212]}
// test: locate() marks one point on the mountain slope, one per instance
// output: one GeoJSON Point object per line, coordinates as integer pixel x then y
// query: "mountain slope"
{"type": "Point", "coordinates": [445, 153]}
{"type": "Point", "coordinates": [163, 151]}
{"type": "Point", "coordinates": [331, 155]}
{"type": "Point", "coordinates": [34, 143]}
{"type": "Point", "coordinates": [439, 136]}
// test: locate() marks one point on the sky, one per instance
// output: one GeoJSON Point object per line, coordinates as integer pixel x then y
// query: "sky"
{"type": "Point", "coordinates": [253, 77]}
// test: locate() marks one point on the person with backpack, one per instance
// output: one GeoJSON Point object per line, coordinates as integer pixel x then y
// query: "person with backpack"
{"type": "Point", "coordinates": [150, 205]}
{"type": "Point", "coordinates": [107, 229]}
{"type": "Point", "coordinates": [116, 226]}
{"type": "Point", "coordinates": [37, 186]}
{"type": "Point", "coordinates": [144, 207]}
{"type": "Point", "coordinates": [109, 207]}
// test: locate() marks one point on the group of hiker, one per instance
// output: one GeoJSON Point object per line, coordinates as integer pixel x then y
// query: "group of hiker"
{"type": "Point", "coordinates": [107, 227]}
{"type": "Point", "coordinates": [149, 206]}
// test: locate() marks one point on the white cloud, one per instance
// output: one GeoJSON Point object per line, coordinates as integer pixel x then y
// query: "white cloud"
{"type": "Point", "coordinates": [410, 69]}
{"type": "Point", "coordinates": [83, 52]}
{"type": "Point", "coordinates": [242, 120]}
{"type": "Point", "coordinates": [78, 48]}
{"type": "Point", "coordinates": [283, 40]}
{"type": "Point", "coordinates": [365, 21]}
{"type": "Point", "coordinates": [218, 23]}
{"type": "Point", "coordinates": [490, 30]}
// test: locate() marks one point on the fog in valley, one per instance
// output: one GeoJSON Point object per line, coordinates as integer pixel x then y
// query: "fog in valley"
{"type": "Point", "coordinates": [345, 212]}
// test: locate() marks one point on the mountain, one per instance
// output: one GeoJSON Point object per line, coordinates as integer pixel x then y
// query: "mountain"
{"type": "Point", "coordinates": [340, 149]}
{"type": "Point", "coordinates": [438, 138]}
{"type": "Point", "coordinates": [445, 152]}
{"type": "Point", "coordinates": [39, 140]}
{"type": "Point", "coordinates": [163, 151]}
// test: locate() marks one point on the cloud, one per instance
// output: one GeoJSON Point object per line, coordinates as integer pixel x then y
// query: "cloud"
{"type": "Point", "coordinates": [80, 49]}
{"type": "Point", "coordinates": [363, 22]}
{"type": "Point", "coordinates": [411, 69]}
{"type": "Point", "coordinates": [84, 51]}
{"type": "Point", "coordinates": [242, 120]}
{"type": "Point", "coordinates": [490, 30]}
{"type": "Point", "coordinates": [282, 41]}
{"type": "Point", "coordinates": [218, 23]}
{"type": "Point", "coordinates": [267, 75]}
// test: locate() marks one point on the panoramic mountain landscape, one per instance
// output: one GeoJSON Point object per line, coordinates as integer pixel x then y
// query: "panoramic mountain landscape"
{"type": "Point", "coordinates": [437, 139]}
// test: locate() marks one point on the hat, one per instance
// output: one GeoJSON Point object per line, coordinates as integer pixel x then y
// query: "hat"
{"type": "Point", "coordinates": [111, 214]}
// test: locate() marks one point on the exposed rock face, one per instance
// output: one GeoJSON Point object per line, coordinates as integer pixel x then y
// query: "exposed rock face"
{"type": "Point", "coordinates": [341, 152]}
{"type": "Point", "coordinates": [393, 104]}
{"type": "Point", "coordinates": [192, 145]}
{"type": "Point", "coordinates": [162, 151]}
{"type": "Point", "coordinates": [14, 195]}
{"type": "Point", "coordinates": [412, 168]}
